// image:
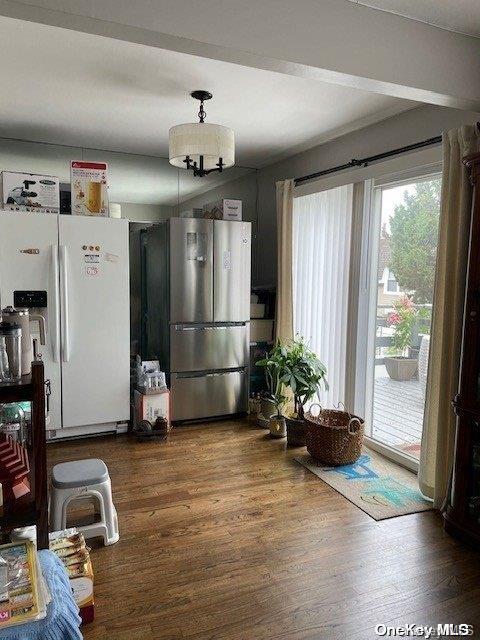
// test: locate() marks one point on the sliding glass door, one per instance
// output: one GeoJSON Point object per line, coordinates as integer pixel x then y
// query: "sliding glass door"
{"type": "Point", "coordinates": [402, 248]}
{"type": "Point", "coordinates": [364, 259]}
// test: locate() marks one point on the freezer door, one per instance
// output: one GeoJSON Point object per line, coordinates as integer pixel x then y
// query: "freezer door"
{"type": "Point", "coordinates": [29, 262]}
{"type": "Point", "coordinates": [207, 395]}
{"type": "Point", "coordinates": [95, 320]}
{"type": "Point", "coordinates": [232, 248]}
{"type": "Point", "coordinates": [206, 347]}
{"type": "Point", "coordinates": [191, 270]}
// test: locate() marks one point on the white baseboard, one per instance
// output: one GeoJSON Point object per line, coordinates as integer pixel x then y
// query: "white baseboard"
{"type": "Point", "coordinates": [90, 430]}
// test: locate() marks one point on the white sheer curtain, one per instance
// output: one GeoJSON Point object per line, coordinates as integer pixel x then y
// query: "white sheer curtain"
{"type": "Point", "coordinates": [321, 257]}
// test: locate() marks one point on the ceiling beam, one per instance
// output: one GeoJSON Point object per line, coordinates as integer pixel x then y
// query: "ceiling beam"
{"type": "Point", "coordinates": [330, 40]}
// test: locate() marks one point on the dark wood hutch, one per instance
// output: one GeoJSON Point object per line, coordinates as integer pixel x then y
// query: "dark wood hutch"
{"type": "Point", "coordinates": [462, 517]}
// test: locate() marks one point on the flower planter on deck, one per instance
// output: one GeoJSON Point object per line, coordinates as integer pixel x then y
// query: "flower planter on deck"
{"type": "Point", "coordinates": [401, 368]}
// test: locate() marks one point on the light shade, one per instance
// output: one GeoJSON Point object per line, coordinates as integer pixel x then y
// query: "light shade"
{"type": "Point", "coordinates": [212, 141]}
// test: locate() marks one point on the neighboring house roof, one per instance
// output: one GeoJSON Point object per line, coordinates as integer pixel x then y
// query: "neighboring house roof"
{"type": "Point", "coordinates": [383, 256]}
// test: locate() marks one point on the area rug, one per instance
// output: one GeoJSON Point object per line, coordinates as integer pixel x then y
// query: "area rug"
{"type": "Point", "coordinates": [374, 484]}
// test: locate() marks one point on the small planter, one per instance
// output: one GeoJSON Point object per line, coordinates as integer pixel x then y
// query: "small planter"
{"type": "Point", "coordinates": [401, 368]}
{"type": "Point", "coordinates": [278, 428]}
{"type": "Point", "coordinates": [267, 411]}
{"type": "Point", "coordinates": [296, 432]}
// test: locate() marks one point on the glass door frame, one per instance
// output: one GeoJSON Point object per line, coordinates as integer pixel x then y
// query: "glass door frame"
{"type": "Point", "coordinates": [367, 303]}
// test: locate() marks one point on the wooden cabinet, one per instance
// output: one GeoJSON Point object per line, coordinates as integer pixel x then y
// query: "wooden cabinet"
{"type": "Point", "coordinates": [462, 517]}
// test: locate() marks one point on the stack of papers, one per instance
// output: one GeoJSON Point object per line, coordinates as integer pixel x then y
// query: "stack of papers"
{"type": "Point", "coordinates": [23, 592]}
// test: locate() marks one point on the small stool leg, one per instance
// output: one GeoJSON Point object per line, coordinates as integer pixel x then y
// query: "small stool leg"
{"type": "Point", "coordinates": [58, 510]}
{"type": "Point", "coordinates": [109, 513]}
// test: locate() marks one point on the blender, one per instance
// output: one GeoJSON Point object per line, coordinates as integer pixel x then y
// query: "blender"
{"type": "Point", "coordinates": [22, 317]}
{"type": "Point", "coordinates": [10, 352]}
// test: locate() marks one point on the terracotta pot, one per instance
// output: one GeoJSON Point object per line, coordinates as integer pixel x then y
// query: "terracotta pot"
{"type": "Point", "coordinates": [278, 428]}
{"type": "Point", "coordinates": [401, 368]}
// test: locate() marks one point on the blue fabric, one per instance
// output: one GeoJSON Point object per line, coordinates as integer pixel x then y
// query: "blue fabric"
{"type": "Point", "coordinates": [62, 621]}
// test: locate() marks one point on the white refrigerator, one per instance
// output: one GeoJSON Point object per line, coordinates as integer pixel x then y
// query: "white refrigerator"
{"type": "Point", "coordinates": [74, 270]}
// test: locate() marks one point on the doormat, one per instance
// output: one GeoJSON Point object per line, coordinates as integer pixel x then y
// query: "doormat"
{"type": "Point", "coordinates": [375, 485]}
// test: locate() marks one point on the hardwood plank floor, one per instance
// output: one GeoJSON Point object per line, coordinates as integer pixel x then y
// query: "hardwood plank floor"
{"type": "Point", "coordinates": [224, 537]}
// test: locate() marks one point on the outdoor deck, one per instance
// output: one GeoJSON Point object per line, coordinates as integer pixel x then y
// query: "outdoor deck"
{"type": "Point", "coordinates": [398, 412]}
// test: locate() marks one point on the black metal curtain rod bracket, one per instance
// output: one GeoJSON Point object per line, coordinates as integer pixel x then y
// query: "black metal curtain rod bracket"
{"type": "Point", "coordinates": [364, 162]}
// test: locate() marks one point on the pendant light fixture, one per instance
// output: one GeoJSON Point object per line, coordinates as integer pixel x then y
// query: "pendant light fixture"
{"type": "Point", "coordinates": [201, 146]}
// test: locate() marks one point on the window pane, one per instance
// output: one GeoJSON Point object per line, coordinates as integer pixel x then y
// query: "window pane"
{"type": "Point", "coordinates": [407, 237]}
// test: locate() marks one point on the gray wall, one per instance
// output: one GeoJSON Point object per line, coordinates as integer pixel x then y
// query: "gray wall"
{"type": "Point", "coordinates": [148, 188]}
{"type": "Point", "coordinates": [406, 128]}
{"type": "Point", "coordinates": [142, 184]}
{"type": "Point", "coordinates": [153, 179]}
{"type": "Point", "coordinates": [146, 212]}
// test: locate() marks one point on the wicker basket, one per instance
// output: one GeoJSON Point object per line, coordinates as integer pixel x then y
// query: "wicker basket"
{"type": "Point", "coordinates": [334, 437]}
{"type": "Point", "coordinates": [296, 432]}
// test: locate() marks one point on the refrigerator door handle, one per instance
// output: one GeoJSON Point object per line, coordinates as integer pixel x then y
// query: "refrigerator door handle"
{"type": "Point", "coordinates": [53, 321]}
{"type": "Point", "coordinates": [65, 319]}
{"type": "Point", "coordinates": [222, 327]}
{"type": "Point", "coordinates": [180, 328]}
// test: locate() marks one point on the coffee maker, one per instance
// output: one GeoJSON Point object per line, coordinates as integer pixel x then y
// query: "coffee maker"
{"type": "Point", "coordinates": [22, 317]}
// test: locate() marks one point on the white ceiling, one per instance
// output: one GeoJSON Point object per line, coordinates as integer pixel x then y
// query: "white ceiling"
{"type": "Point", "coordinates": [74, 88]}
{"type": "Point", "coordinates": [462, 16]}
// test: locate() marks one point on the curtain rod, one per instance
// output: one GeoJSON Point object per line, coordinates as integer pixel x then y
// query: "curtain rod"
{"type": "Point", "coordinates": [364, 162]}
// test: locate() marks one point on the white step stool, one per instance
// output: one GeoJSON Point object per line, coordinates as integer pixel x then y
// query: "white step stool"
{"type": "Point", "coordinates": [81, 480]}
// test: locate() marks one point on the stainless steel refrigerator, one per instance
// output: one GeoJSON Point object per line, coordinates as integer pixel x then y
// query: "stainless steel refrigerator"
{"type": "Point", "coordinates": [197, 312]}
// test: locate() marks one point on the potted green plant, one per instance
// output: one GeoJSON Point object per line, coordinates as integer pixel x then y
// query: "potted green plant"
{"type": "Point", "coordinates": [267, 406]}
{"type": "Point", "coordinates": [274, 401]}
{"type": "Point", "coordinates": [277, 422]}
{"type": "Point", "coordinates": [296, 367]}
{"type": "Point", "coordinates": [399, 365]}
{"type": "Point", "coordinates": [304, 374]}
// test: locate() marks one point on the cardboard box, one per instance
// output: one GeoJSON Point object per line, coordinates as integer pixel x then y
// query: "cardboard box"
{"type": "Point", "coordinates": [150, 407]}
{"type": "Point", "coordinates": [261, 330]}
{"type": "Point", "coordinates": [225, 209]}
{"type": "Point", "coordinates": [89, 188]}
{"type": "Point", "coordinates": [82, 591]}
{"type": "Point", "coordinates": [30, 192]}
{"type": "Point", "coordinates": [196, 212]}
{"type": "Point", "coordinates": [257, 310]}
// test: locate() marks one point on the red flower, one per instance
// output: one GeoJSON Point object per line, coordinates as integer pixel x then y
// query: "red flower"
{"type": "Point", "coordinates": [407, 302]}
{"type": "Point", "coordinates": [393, 318]}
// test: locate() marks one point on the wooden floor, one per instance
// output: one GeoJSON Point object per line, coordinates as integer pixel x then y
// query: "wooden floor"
{"type": "Point", "coordinates": [223, 536]}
